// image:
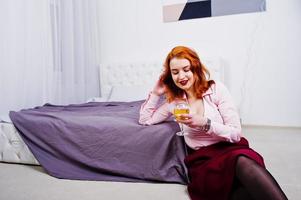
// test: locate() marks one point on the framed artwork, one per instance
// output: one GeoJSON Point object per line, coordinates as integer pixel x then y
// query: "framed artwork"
{"type": "Point", "coordinates": [176, 10]}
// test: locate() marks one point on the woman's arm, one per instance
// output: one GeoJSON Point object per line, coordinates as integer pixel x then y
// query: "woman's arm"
{"type": "Point", "coordinates": [230, 129]}
{"type": "Point", "coordinates": [150, 111]}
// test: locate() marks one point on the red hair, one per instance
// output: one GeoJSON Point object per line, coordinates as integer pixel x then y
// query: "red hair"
{"type": "Point", "coordinates": [201, 83]}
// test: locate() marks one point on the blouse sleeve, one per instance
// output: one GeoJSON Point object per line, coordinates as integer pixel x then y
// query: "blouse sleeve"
{"type": "Point", "coordinates": [151, 112]}
{"type": "Point", "coordinates": [230, 129]}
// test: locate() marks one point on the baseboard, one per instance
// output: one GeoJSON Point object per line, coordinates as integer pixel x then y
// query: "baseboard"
{"type": "Point", "coordinates": [270, 126]}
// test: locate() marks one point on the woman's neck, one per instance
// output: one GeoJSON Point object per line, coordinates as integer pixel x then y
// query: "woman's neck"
{"type": "Point", "coordinates": [190, 95]}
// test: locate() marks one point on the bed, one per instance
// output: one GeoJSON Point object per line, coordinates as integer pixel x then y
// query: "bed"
{"type": "Point", "coordinates": [125, 89]}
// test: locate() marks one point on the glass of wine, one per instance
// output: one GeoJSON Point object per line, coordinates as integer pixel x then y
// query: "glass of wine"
{"type": "Point", "coordinates": [179, 109]}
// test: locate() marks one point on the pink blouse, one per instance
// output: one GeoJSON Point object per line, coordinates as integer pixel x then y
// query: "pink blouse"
{"type": "Point", "coordinates": [218, 106]}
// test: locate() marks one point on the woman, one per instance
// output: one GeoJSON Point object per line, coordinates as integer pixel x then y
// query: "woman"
{"type": "Point", "coordinates": [220, 163]}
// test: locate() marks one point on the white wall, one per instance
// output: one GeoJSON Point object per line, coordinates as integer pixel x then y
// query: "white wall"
{"type": "Point", "coordinates": [261, 51]}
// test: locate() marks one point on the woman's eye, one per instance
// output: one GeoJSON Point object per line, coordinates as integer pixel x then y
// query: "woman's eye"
{"type": "Point", "coordinates": [186, 70]}
{"type": "Point", "coordinates": [175, 73]}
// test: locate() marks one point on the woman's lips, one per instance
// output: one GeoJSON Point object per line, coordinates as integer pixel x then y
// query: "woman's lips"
{"type": "Point", "coordinates": [183, 82]}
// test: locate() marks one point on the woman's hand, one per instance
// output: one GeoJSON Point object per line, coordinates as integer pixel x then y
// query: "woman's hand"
{"type": "Point", "coordinates": [159, 88]}
{"type": "Point", "coordinates": [192, 120]}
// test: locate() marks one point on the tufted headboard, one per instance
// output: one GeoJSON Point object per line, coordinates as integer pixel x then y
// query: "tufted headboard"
{"type": "Point", "coordinates": [141, 76]}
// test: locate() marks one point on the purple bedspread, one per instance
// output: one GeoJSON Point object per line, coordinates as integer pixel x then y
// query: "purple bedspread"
{"type": "Point", "coordinates": [102, 141]}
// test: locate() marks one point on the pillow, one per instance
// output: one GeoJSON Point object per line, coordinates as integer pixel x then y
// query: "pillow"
{"type": "Point", "coordinates": [129, 93]}
{"type": "Point", "coordinates": [97, 99]}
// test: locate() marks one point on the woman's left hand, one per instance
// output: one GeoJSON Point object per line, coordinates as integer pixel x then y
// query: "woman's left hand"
{"type": "Point", "coordinates": [192, 120]}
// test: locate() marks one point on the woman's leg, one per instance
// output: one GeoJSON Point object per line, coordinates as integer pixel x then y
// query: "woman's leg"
{"type": "Point", "coordinates": [259, 183]}
{"type": "Point", "coordinates": [240, 193]}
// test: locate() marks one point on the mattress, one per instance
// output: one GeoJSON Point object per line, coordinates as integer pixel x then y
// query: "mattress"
{"type": "Point", "coordinates": [12, 147]}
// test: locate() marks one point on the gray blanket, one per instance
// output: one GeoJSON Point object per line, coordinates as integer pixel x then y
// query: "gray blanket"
{"type": "Point", "coordinates": [102, 141]}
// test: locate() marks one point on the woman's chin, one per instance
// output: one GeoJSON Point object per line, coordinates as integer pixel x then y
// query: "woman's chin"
{"type": "Point", "coordinates": [184, 88]}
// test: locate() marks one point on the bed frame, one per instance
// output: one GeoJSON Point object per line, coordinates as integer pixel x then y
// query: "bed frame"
{"type": "Point", "coordinates": [145, 74]}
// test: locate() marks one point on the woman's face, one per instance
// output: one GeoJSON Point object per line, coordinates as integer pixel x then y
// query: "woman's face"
{"type": "Point", "coordinates": [181, 73]}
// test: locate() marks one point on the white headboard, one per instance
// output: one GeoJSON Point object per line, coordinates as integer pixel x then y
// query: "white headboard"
{"type": "Point", "coordinates": [143, 74]}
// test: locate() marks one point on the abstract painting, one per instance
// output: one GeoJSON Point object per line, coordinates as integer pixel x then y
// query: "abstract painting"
{"type": "Point", "coordinates": [176, 10]}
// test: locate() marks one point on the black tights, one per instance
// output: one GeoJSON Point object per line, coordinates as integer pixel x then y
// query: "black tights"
{"type": "Point", "coordinates": [255, 182]}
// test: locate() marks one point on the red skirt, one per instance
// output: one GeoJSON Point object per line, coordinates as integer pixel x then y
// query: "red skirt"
{"type": "Point", "coordinates": [211, 169]}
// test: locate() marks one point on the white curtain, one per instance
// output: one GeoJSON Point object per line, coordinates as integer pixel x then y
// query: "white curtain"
{"type": "Point", "coordinates": [48, 52]}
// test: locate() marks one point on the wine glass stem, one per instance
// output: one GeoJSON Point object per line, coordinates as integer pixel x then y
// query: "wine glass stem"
{"type": "Point", "coordinates": [181, 127]}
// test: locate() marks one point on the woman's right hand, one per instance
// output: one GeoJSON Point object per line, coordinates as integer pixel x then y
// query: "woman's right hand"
{"type": "Point", "coordinates": [159, 88]}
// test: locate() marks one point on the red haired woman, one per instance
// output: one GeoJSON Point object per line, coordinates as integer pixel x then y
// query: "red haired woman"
{"type": "Point", "coordinates": [220, 163]}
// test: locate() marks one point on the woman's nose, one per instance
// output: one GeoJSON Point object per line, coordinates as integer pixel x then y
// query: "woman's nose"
{"type": "Point", "coordinates": [181, 75]}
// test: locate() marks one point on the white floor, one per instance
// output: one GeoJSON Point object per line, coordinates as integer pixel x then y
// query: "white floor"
{"type": "Point", "coordinates": [279, 146]}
